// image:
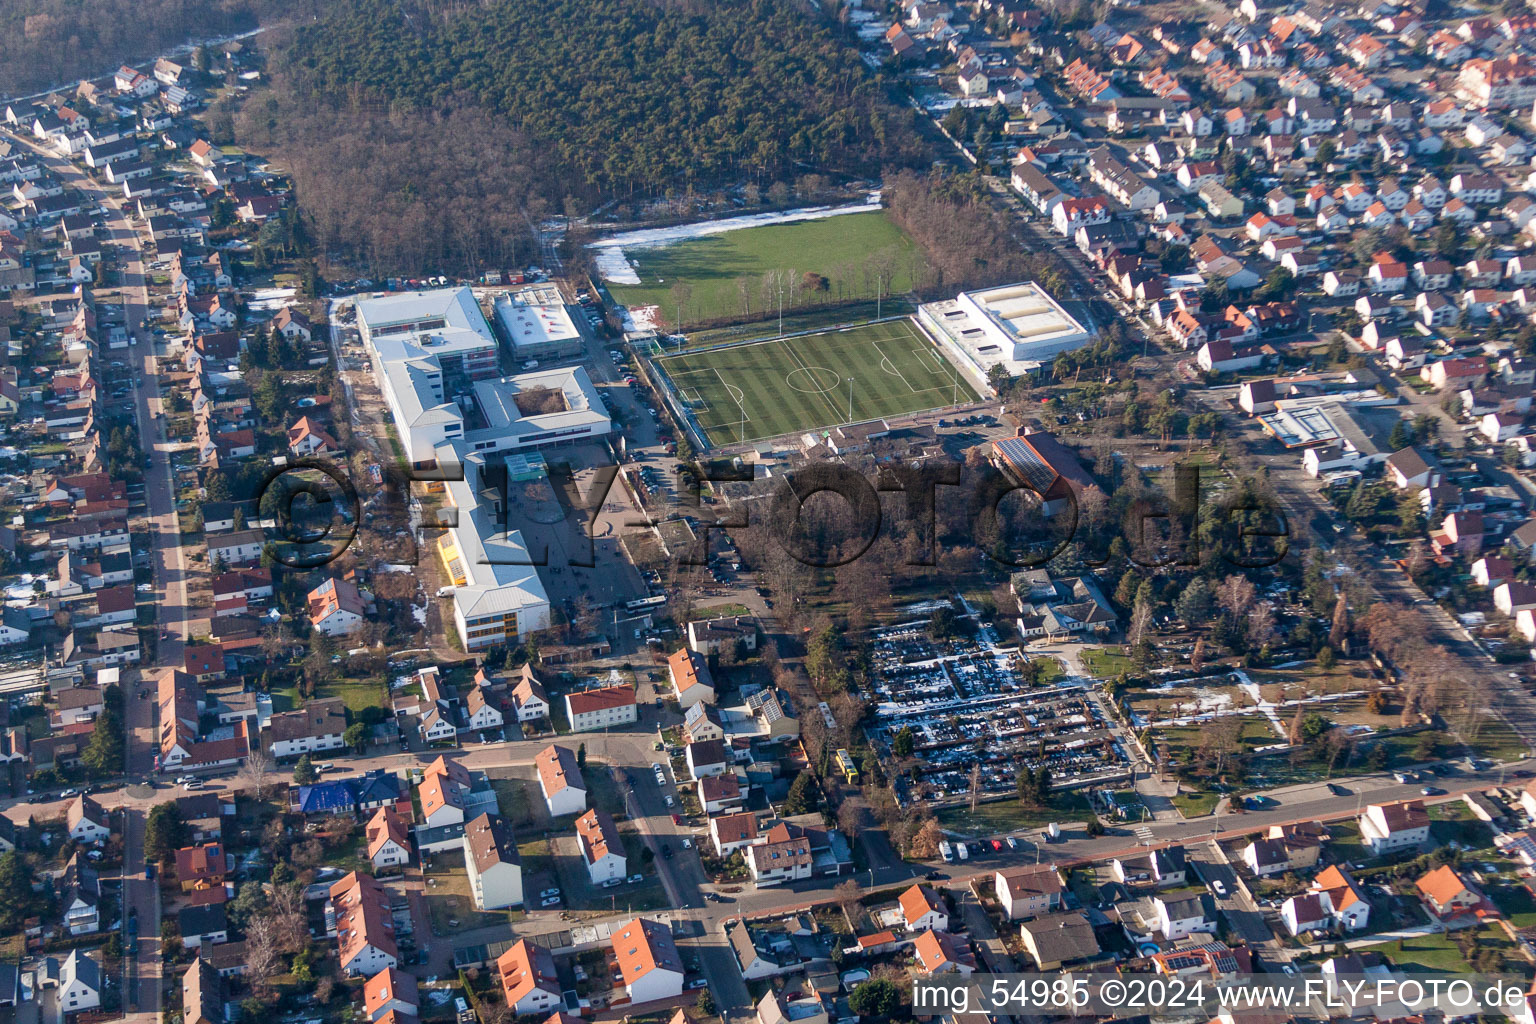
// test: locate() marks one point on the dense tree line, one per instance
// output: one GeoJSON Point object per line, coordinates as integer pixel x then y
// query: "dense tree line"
{"type": "Point", "coordinates": [48, 43]}
{"type": "Point", "coordinates": [968, 241]}
{"type": "Point", "coordinates": [630, 98]}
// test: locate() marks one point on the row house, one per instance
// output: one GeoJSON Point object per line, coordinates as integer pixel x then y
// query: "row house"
{"type": "Point", "coordinates": [1089, 83]}
{"type": "Point", "coordinates": [1120, 182]}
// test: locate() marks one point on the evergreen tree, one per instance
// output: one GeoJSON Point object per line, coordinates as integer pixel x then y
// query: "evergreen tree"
{"type": "Point", "coordinates": [17, 900]}
{"type": "Point", "coordinates": [803, 797]}
{"type": "Point", "coordinates": [165, 831]}
{"type": "Point", "coordinates": [1193, 605]}
{"type": "Point", "coordinates": [304, 772]}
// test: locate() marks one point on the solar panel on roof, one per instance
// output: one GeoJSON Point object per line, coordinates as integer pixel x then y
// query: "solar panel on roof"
{"type": "Point", "coordinates": [1024, 458]}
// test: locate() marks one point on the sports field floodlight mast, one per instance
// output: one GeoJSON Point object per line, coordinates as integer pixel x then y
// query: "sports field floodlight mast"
{"type": "Point", "coordinates": [850, 399]}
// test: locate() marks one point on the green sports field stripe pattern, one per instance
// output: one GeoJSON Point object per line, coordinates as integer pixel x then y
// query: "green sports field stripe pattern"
{"type": "Point", "coordinates": [797, 384]}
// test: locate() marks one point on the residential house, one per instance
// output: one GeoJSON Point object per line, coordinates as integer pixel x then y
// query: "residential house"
{"type": "Point", "coordinates": [80, 983]}
{"type": "Point", "coordinates": [529, 981]}
{"type": "Point", "coordinates": [1448, 894]}
{"type": "Point", "coordinates": [1183, 916]}
{"type": "Point", "coordinates": [690, 677]}
{"type": "Point", "coordinates": [389, 842]}
{"type": "Point", "coordinates": [922, 908]}
{"type": "Point", "coordinates": [336, 608]}
{"type": "Point", "coordinates": [649, 965]}
{"type": "Point", "coordinates": [560, 780]}
{"type": "Point", "coordinates": [1394, 826]}
{"type": "Point", "coordinates": [706, 757]}
{"type": "Point", "coordinates": [939, 952]}
{"type": "Point", "coordinates": [601, 708]}
{"type": "Point", "coordinates": [318, 726]}
{"type": "Point", "coordinates": [491, 861]}
{"type": "Point", "coordinates": [732, 832]}
{"type": "Point", "coordinates": [1056, 940]}
{"type": "Point", "coordinates": [602, 849]}
{"type": "Point", "coordinates": [1028, 891]}
{"type": "Point", "coordinates": [529, 698]}
{"type": "Point", "coordinates": [87, 821]}
{"type": "Point", "coordinates": [365, 927]}
{"type": "Point", "coordinates": [391, 991]}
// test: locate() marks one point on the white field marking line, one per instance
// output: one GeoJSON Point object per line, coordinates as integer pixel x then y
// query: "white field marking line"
{"type": "Point", "coordinates": [945, 381]}
{"type": "Point", "coordinates": [903, 376]}
{"type": "Point", "coordinates": [736, 393]}
{"type": "Point", "coordinates": [796, 356]}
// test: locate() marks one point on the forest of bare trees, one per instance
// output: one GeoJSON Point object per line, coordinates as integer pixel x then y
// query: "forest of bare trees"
{"type": "Point", "coordinates": [969, 243]}
{"type": "Point", "coordinates": [46, 44]}
{"type": "Point", "coordinates": [407, 192]}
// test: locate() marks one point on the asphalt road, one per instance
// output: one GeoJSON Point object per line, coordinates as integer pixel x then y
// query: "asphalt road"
{"type": "Point", "coordinates": [139, 894]}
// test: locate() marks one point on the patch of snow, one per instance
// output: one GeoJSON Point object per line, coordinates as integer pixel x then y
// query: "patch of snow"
{"type": "Point", "coordinates": [270, 298]}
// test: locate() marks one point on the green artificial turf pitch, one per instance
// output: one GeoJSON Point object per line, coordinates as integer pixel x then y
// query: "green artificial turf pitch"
{"type": "Point", "coordinates": [790, 385]}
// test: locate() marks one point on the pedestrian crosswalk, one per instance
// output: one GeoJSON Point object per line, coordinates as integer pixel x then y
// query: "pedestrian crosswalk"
{"type": "Point", "coordinates": [1142, 832]}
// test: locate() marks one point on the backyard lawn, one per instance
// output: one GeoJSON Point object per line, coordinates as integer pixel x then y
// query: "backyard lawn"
{"type": "Point", "coordinates": [449, 901]}
{"type": "Point", "coordinates": [1439, 953]}
{"type": "Point", "coordinates": [603, 790]}
{"type": "Point", "coordinates": [517, 801]}
{"type": "Point", "coordinates": [356, 694]}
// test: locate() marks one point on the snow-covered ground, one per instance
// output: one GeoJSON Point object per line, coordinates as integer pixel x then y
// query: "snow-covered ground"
{"type": "Point", "coordinates": [614, 266]}
{"type": "Point", "coordinates": [270, 298]}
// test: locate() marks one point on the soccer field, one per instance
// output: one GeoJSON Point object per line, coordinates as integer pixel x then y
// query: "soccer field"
{"type": "Point", "coordinates": [723, 273]}
{"type": "Point", "coordinates": [788, 385]}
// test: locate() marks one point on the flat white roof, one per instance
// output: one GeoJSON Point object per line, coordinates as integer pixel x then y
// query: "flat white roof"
{"type": "Point", "coordinates": [442, 321]}
{"type": "Point", "coordinates": [455, 306]}
{"type": "Point", "coordinates": [497, 399]}
{"type": "Point", "coordinates": [1024, 311]}
{"type": "Point", "coordinates": [494, 558]}
{"type": "Point", "coordinates": [535, 315]}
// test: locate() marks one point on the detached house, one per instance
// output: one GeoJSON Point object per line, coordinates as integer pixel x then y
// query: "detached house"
{"type": "Point", "coordinates": [1332, 901]}
{"type": "Point", "coordinates": [602, 849]}
{"type": "Point", "coordinates": [690, 677]}
{"type": "Point", "coordinates": [389, 843]}
{"type": "Point", "coordinates": [1447, 894]}
{"type": "Point", "coordinates": [1028, 892]}
{"type": "Point", "coordinates": [336, 608]}
{"type": "Point", "coordinates": [1394, 826]}
{"type": "Point", "coordinates": [86, 821]}
{"type": "Point", "coordinates": [560, 780]}
{"type": "Point", "coordinates": [922, 909]}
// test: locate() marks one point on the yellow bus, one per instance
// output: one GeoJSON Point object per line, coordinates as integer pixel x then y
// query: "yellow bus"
{"type": "Point", "coordinates": [845, 765]}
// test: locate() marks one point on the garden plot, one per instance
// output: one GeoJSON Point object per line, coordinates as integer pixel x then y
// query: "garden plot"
{"type": "Point", "coordinates": [968, 710]}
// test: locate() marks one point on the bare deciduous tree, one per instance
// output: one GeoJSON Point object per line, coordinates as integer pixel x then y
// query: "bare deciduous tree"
{"type": "Point", "coordinates": [1236, 595]}
{"type": "Point", "coordinates": [253, 774]}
